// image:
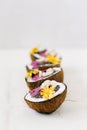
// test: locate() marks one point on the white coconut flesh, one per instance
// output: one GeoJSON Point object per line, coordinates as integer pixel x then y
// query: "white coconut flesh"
{"type": "Point", "coordinates": [40, 58]}
{"type": "Point", "coordinates": [47, 83]}
{"type": "Point", "coordinates": [49, 72]}
{"type": "Point", "coordinates": [47, 64]}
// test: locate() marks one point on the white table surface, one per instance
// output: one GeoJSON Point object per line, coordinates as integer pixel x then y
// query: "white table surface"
{"type": "Point", "coordinates": [14, 112]}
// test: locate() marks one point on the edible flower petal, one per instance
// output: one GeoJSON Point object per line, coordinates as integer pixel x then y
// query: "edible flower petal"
{"type": "Point", "coordinates": [34, 50]}
{"type": "Point", "coordinates": [47, 92]}
{"type": "Point", "coordinates": [31, 72]}
{"type": "Point", "coordinates": [53, 59]}
{"type": "Point", "coordinates": [35, 91]}
{"type": "Point", "coordinates": [35, 64]}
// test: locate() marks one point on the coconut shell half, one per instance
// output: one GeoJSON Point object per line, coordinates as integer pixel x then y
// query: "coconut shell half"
{"type": "Point", "coordinates": [48, 106]}
{"type": "Point", "coordinates": [57, 76]}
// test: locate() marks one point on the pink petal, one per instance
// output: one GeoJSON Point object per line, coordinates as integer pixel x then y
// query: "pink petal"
{"type": "Point", "coordinates": [36, 77]}
{"type": "Point", "coordinates": [35, 91]}
{"type": "Point", "coordinates": [35, 64]}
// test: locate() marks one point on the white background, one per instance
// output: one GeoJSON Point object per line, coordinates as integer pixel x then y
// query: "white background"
{"type": "Point", "coordinates": [61, 23]}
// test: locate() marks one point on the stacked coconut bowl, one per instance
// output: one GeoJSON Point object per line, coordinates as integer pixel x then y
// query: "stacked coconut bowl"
{"type": "Point", "coordinates": [44, 78]}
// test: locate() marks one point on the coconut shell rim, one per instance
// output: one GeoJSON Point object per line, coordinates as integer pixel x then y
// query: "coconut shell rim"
{"type": "Point", "coordinates": [48, 99]}
{"type": "Point", "coordinates": [42, 67]}
{"type": "Point", "coordinates": [45, 77]}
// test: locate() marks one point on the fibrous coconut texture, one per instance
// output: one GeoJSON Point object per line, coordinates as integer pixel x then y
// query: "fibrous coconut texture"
{"type": "Point", "coordinates": [44, 79]}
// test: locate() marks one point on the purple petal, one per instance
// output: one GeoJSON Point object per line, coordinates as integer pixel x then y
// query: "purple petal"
{"type": "Point", "coordinates": [43, 53]}
{"type": "Point", "coordinates": [35, 64]}
{"type": "Point", "coordinates": [35, 77]}
{"type": "Point", "coordinates": [35, 91]}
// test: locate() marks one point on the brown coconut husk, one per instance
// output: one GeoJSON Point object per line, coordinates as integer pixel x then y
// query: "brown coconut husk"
{"type": "Point", "coordinates": [48, 106]}
{"type": "Point", "coordinates": [33, 58]}
{"type": "Point", "coordinates": [59, 77]}
{"type": "Point", "coordinates": [27, 68]}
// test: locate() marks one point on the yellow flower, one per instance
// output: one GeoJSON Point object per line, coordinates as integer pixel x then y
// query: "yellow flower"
{"type": "Point", "coordinates": [29, 74]}
{"type": "Point", "coordinates": [47, 92]}
{"type": "Point", "coordinates": [53, 59]}
{"type": "Point", "coordinates": [34, 50]}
